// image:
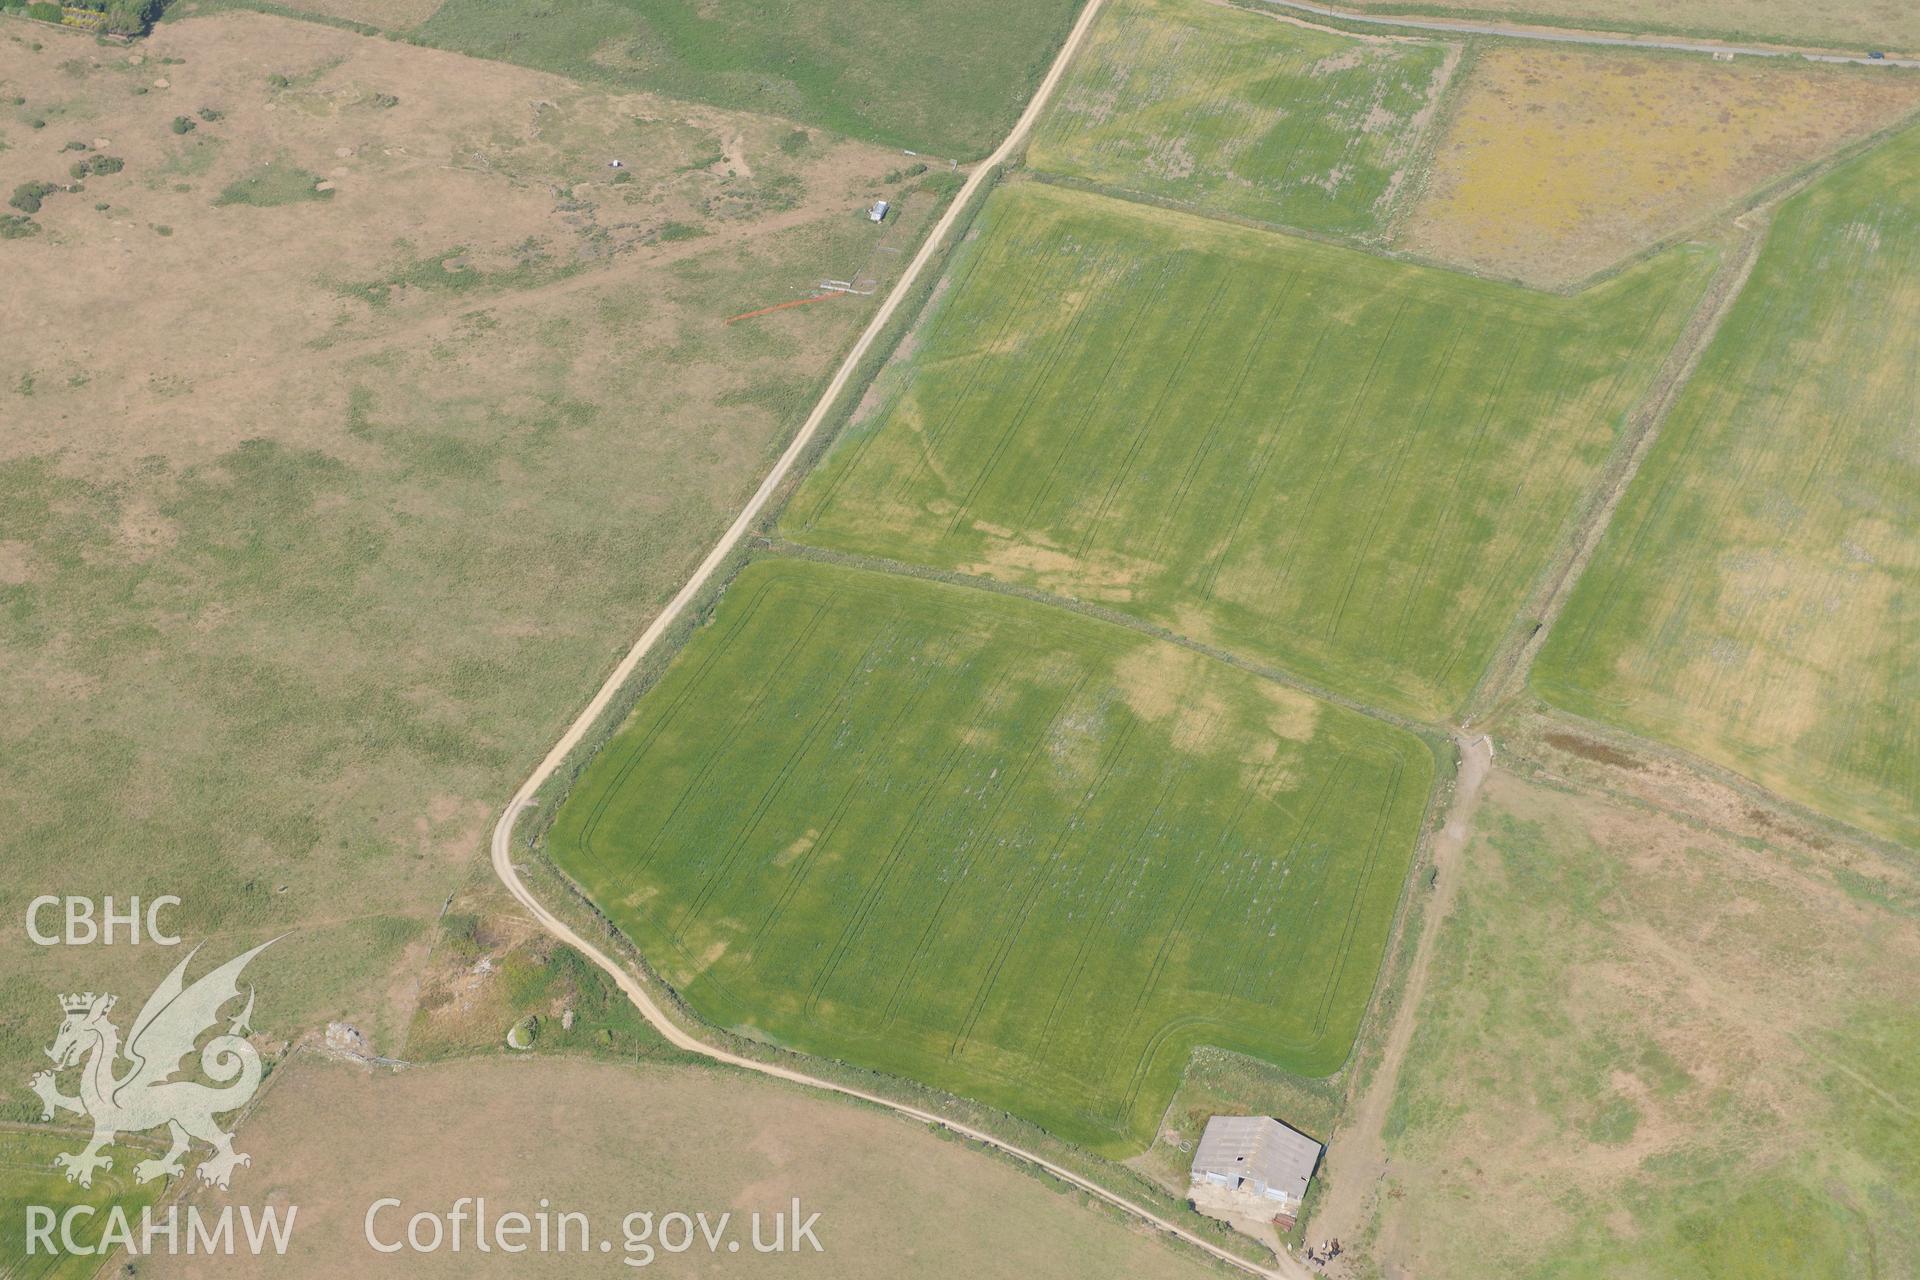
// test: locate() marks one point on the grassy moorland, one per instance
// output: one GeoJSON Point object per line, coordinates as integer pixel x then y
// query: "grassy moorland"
{"type": "Point", "coordinates": [944, 78]}
{"type": "Point", "coordinates": [309, 544]}
{"type": "Point", "coordinates": [1225, 110]}
{"type": "Point", "coordinates": [1756, 598]}
{"type": "Point", "coordinates": [1350, 467]}
{"type": "Point", "coordinates": [1655, 1049]}
{"type": "Point", "coordinates": [1012, 852]}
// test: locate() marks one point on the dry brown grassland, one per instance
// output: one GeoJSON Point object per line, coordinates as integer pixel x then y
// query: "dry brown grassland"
{"type": "Point", "coordinates": [1669, 1035]}
{"type": "Point", "coordinates": [348, 431]}
{"type": "Point", "coordinates": [893, 1198]}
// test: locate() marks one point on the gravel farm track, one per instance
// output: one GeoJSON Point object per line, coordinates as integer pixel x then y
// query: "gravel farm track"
{"type": "Point", "coordinates": [502, 842]}
{"type": "Point", "coordinates": [1475, 754]}
{"type": "Point", "coordinates": [1363, 1161]}
{"type": "Point", "coordinates": [1555, 35]}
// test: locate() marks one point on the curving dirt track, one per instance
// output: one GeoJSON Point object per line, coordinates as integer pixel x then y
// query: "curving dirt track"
{"type": "Point", "coordinates": [502, 842]}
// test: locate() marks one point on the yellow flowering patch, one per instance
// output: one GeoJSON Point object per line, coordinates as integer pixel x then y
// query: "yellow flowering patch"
{"type": "Point", "coordinates": [1558, 164]}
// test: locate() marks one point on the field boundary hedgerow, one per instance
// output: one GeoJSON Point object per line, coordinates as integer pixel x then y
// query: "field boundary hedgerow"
{"type": "Point", "coordinates": [1603, 733]}
{"type": "Point", "coordinates": [1414, 189]}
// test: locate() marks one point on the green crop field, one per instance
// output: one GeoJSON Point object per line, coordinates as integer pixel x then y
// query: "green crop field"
{"type": "Point", "coordinates": [998, 847]}
{"type": "Point", "coordinates": [28, 1177]}
{"type": "Point", "coordinates": [1234, 111]}
{"type": "Point", "coordinates": [1352, 467]}
{"type": "Point", "coordinates": [946, 78]}
{"type": "Point", "coordinates": [1757, 597]}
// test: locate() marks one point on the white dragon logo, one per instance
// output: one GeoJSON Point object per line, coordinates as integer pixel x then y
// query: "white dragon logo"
{"type": "Point", "coordinates": [145, 1097]}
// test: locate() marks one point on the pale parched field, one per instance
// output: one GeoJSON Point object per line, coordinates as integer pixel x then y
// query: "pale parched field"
{"type": "Point", "coordinates": [1658, 1049]}
{"type": "Point", "coordinates": [1559, 163]}
{"type": "Point", "coordinates": [894, 1199]}
{"type": "Point", "coordinates": [1844, 24]}
{"type": "Point", "coordinates": [1022, 855]}
{"type": "Point", "coordinates": [1756, 597]}
{"type": "Point", "coordinates": [320, 510]}
{"type": "Point", "coordinates": [1349, 467]}
{"type": "Point", "coordinates": [1226, 110]}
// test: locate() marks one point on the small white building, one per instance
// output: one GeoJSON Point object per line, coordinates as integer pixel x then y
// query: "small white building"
{"type": "Point", "coordinates": [1257, 1155]}
{"type": "Point", "coordinates": [879, 211]}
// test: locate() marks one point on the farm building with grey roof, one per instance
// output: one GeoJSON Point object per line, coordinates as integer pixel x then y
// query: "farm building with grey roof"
{"type": "Point", "coordinates": [1256, 1154]}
